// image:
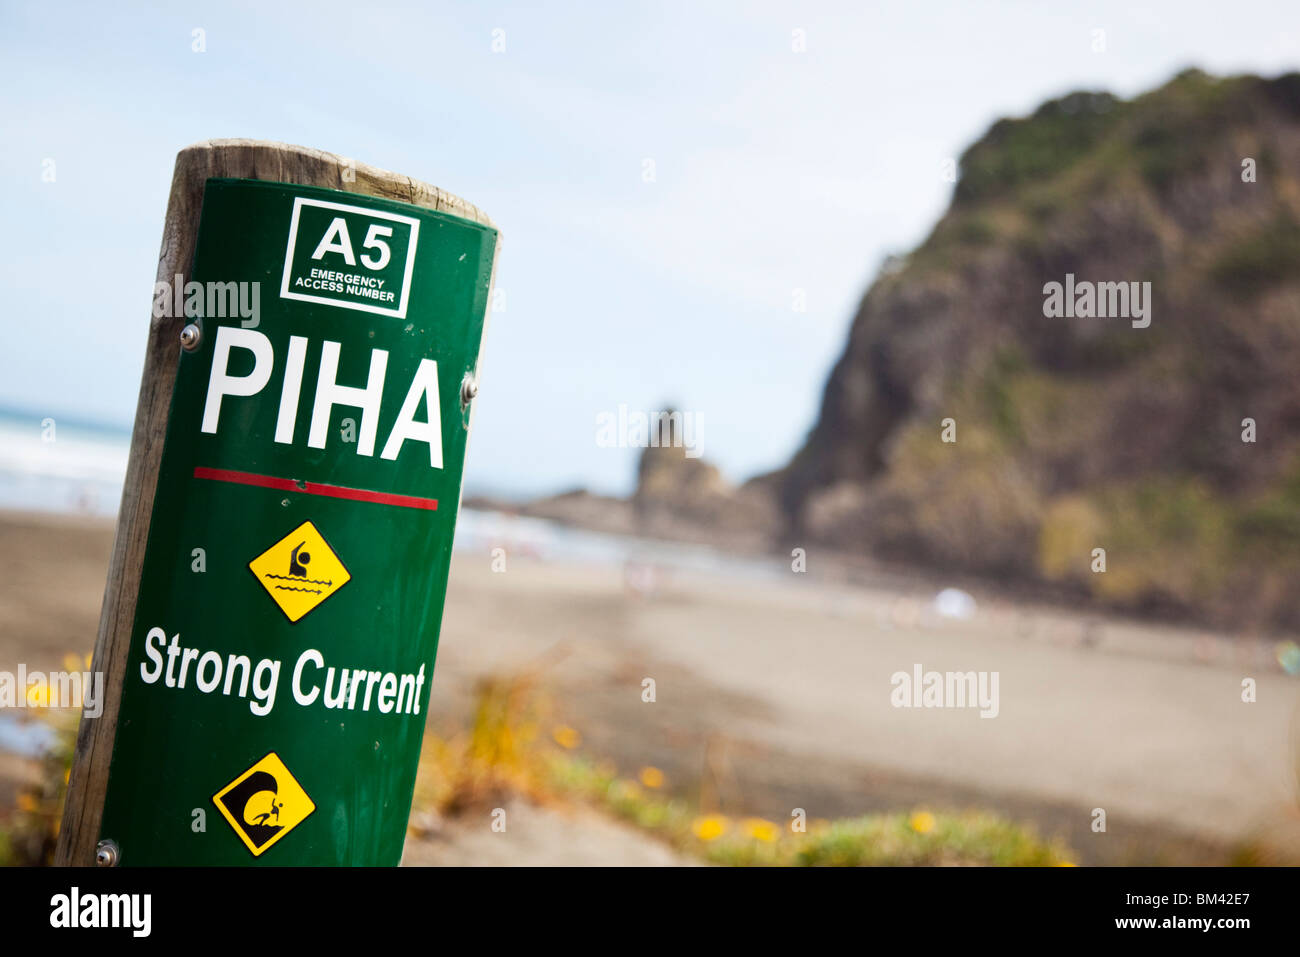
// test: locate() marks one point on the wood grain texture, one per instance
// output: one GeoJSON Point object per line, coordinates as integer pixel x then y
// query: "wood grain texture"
{"type": "Point", "coordinates": [195, 165]}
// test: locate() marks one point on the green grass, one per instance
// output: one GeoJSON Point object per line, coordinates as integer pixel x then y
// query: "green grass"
{"type": "Point", "coordinates": [918, 838]}
{"type": "Point", "coordinates": [1015, 152]}
{"type": "Point", "coordinates": [504, 752]}
{"type": "Point", "coordinates": [1253, 264]}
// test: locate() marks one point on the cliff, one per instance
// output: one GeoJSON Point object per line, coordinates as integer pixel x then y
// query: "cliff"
{"type": "Point", "coordinates": [1078, 432]}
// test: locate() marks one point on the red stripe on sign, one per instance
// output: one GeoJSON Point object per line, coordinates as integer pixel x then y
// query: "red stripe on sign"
{"type": "Point", "coordinates": [314, 488]}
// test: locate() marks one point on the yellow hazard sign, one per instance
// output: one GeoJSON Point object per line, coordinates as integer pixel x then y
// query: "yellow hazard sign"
{"type": "Point", "coordinates": [264, 804]}
{"type": "Point", "coordinates": [300, 571]}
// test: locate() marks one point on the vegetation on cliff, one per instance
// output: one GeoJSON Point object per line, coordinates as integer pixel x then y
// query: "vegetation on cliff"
{"type": "Point", "coordinates": [1081, 433]}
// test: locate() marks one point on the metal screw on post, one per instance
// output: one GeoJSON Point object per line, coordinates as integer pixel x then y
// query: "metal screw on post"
{"type": "Point", "coordinates": [468, 389]}
{"type": "Point", "coordinates": [107, 854]}
{"type": "Point", "coordinates": [191, 336]}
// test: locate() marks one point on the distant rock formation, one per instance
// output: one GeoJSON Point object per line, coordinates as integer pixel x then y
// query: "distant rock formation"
{"type": "Point", "coordinates": [1175, 447]}
{"type": "Point", "coordinates": [678, 496]}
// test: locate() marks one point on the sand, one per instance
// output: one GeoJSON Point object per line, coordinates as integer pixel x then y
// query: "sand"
{"type": "Point", "coordinates": [775, 694]}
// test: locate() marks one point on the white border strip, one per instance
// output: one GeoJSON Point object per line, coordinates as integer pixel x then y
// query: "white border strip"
{"type": "Point", "coordinates": [298, 203]}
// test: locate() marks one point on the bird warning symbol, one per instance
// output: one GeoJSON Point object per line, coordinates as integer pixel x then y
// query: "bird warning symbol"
{"type": "Point", "coordinates": [264, 804]}
{"type": "Point", "coordinates": [300, 571]}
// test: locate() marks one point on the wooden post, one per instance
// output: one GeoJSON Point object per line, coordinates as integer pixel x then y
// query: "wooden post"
{"type": "Point", "coordinates": [195, 165]}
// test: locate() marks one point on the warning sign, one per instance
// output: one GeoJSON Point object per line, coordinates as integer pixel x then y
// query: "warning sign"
{"type": "Point", "coordinates": [331, 409]}
{"type": "Point", "coordinates": [264, 804]}
{"type": "Point", "coordinates": [300, 571]}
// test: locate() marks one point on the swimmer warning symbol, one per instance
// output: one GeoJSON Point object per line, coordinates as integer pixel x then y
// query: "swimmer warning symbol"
{"type": "Point", "coordinates": [300, 571]}
{"type": "Point", "coordinates": [264, 804]}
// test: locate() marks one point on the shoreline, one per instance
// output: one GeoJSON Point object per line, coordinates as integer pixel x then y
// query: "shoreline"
{"type": "Point", "coordinates": [775, 688]}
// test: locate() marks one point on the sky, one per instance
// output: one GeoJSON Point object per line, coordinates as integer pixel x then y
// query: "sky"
{"type": "Point", "coordinates": [792, 147]}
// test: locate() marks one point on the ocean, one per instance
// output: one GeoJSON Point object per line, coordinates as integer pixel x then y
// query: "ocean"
{"type": "Point", "coordinates": [60, 464]}
{"type": "Point", "coordinates": [76, 467]}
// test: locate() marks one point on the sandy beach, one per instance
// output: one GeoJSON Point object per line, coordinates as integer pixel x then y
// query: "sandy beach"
{"type": "Point", "coordinates": [774, 693]}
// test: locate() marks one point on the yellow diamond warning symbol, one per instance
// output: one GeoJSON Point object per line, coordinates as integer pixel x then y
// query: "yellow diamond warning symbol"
{"type": "Point", "coordinates": [264, 804]}
{"type": "Point", "coordinates": [300, 571]}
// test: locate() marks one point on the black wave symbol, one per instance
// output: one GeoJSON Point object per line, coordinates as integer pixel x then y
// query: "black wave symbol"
{"type": "Point", "coordinates": [295, 578]}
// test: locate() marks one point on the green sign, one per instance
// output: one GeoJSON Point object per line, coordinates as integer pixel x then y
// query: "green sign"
{"type": "Point", "coordinates": [293, 584]}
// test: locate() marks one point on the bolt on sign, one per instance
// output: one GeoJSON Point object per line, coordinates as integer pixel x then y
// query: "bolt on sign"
{"type": "Point", "coordinates": [314, 452]}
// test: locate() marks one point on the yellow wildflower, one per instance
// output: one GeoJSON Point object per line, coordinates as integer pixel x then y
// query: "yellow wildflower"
{"type": "Point", "coordinates": [652, 777]}
{"type": "Point", "coordinates": [922, 822]}
{"type": "Point", "coordinates": [567, 737]}
{"type": "Point", "coordinates": [710, 827]}
{"type": "Point", "coordinates": [760, 829]}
